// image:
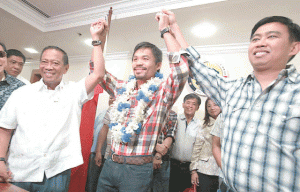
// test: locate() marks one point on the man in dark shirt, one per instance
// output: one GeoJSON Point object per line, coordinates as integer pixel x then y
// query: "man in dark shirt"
{"type": "Point", "coordinates": [7, 83]}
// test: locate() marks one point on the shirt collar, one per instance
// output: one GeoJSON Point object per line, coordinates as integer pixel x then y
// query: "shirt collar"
{"type": "Point", "coordinates": [182, 117]}
{"type": "Point", "coordinates": [290, 72]}
{"type": "Point", "coordinates": [42, 86]}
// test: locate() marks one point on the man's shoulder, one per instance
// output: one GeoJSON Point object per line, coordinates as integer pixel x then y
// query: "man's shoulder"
{"type": "Point", "coordinates": [14, 82]}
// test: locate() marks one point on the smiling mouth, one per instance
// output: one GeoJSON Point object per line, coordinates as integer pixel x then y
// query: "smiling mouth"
{"type": "Point", "coordinates": [260, 53]}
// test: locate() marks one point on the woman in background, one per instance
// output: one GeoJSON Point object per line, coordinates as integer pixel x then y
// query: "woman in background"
{"type": "Point", "coordinates": [205, 171]}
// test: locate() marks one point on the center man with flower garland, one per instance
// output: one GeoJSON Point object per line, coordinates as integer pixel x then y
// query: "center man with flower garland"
{"type": "Point", "coordinates": [140, 110]}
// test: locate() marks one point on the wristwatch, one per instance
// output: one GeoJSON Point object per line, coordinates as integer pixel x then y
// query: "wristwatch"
{"type": "Point", "coordinates": [96, 42]}
{"type": "Point", "coordinates": [2, 159]}
{"type": "Point", "coordinates": [165, 30]}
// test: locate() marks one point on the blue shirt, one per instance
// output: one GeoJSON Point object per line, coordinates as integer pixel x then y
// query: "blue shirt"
{"type": "Point", "coordinates": [97, 128]}
{"type": "Point", "coordinates": [7, 86]}
{"type": "Point", "coordinates": [261, 138]}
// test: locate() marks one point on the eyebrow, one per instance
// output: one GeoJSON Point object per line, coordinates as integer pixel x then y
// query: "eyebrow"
{"type": "Point", "coordinates": [267, 33]}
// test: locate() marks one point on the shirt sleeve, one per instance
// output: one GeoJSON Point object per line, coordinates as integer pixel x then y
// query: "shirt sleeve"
{"type": "Point", "coordinates": [174, 84]}
{"type": "Point", "coordinates": [171, 125]}
{"type": "Point", "coordinates": [110, 84]}
{"type": "Point", "coordinates": [210, 82]}
{"type": "Point", "coordinates": [106, 119]}
{"type": "Point", "coordinates": [216, 127]}
{"type": "Point", "coordinates": [8, 114]}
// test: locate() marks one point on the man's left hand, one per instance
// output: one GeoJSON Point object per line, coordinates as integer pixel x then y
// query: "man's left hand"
{"type": "Point", "coordinates": [163, 20]}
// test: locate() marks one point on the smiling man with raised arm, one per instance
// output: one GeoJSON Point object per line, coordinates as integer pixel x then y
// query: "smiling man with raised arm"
{"type": "Point", "coordinates": [261, 146]}
{"type": "Point", "coordinates": [46, 117]}
{"type": "Point", "coordinates": [138, 114]}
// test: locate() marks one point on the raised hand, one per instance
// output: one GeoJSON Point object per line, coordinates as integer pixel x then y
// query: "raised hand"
{"type": "Point", "coordinates": [99, 29]}
{"type": "Point", "coordinates": [163, 20]}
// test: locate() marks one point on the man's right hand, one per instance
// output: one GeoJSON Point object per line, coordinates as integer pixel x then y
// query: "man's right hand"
{"type": "Point", "coordinates": [5, 176]}
{"type": "Point", "coordinates": [98, 159]}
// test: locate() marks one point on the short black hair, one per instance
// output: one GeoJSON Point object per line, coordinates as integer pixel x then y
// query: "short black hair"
{"type": "Point", "coordinates": [2, 44]}
{"type": "Point", "coordinates": [155, 50]}
{"type": "Point", "coordinates": [65, 56]}
{"type": "Point", "coordinates": [293, 28]}
{"type": "Point", "coordinates": [15, 52]}
{"type": "Point", "coordinates": [192, 96]}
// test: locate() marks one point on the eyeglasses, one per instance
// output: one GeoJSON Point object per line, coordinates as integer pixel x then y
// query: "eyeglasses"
{"type": "Point", "coordinates": [2, 54]}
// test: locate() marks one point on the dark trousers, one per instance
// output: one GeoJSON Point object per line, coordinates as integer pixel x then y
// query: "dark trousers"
{"type": "Point", "coordinates": [93, 174]}
{"type": "Point", "coordinates": [180, 176]}
{"type": "Point", "coordinates": [207, 183]}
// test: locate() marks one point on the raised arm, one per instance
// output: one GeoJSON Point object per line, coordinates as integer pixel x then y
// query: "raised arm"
{"type": "Point", "coordinates": [163, 23]}
{"type": "Point", "coordinates": [175, 30]}
{"type": "Point", "coordinates": [5, 135]}
{"type": "Point", "coordinates": [98, 32]}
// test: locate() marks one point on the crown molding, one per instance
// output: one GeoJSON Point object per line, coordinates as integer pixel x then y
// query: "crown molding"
{"type": "Point", "coordinates": [24, 13]}
{"type": "Point", "coordinates": [121, 9]}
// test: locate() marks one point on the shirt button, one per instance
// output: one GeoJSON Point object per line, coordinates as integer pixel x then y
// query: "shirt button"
{"type": "Point", "coordinates": [45, 155]}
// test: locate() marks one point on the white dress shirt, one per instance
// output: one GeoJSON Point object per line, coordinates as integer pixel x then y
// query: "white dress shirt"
{"type": "Point", "coordinates": [185, 138]}
{"type": "Point", "coordinates": [23, 80]}
{"type": "Point", "coordinates": [46, 139]}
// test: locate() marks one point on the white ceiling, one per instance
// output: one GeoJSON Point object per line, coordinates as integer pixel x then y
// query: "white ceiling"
{"type": "Point", "coordinates": [133, 22]}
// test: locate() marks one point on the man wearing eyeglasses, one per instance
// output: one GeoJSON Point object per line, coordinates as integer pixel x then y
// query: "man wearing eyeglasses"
{"type": "Point", "coordinates": [7, 83]}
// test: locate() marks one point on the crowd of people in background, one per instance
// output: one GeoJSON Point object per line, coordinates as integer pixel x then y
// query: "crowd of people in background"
{"type": "Point", "coordinates": [247, 141]}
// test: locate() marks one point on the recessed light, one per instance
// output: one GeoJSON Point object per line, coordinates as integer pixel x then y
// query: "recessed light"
{"type": "Point", "coordinates": [88, 42]}
{"type": "Point", "coordinates": [31, 50]}
{"type": "Point", "coordinates": [204, 30]}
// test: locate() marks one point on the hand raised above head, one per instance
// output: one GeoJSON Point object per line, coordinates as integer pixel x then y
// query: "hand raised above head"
{"type": "Point", "coordinates": [172, 19]}
{"type": "Point", "coordinates": [163, 20]}
{"type": "Point", "coordinates": [99, 29]}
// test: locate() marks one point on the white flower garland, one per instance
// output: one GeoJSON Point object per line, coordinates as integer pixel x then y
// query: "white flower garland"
{"type": "Point", "coordinates": [121, 107]}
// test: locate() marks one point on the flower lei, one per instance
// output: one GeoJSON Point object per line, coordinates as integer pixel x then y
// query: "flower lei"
{"type": "Point", "coordinates": [121, 107]}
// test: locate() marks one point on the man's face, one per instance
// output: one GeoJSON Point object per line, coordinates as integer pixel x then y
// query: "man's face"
{"type": "Point", "coordinates": [52, 67]}
{"type": "Point", "coordinates": [14, 65]}
{"type": "Point", "coordinates": [190, 106]}
{"type": "Point", "coordinates": [270, 47]}
{"type": "Point", "coordinates": [3, 61]}
{"type": "Point", "coordinates": [143, 64]}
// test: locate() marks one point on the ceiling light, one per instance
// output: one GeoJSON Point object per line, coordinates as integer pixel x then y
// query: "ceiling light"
{"type": "Point", "coordinates": [204, 30]}
{"type": "Point", "coordinates": [88, 42]}
{"type": "Point", "coordinates": [31, 50]}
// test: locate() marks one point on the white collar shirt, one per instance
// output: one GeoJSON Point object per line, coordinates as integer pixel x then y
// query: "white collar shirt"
{"type": "Point", "coordinates": [46, 122]}
{"type": "Point", "coordinates": [185, 138]}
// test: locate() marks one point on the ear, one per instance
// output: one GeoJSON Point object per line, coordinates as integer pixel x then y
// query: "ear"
{"type": "Point", "coordinates": [295, 48]}
{"type": "Point", "coordinates": [158, 65]}
{"type": "Point", "coordinates": [66, 68]}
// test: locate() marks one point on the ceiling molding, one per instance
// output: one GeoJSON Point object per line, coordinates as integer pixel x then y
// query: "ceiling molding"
{"type": "Point", "coordinates": [121, 9]}
{"type": "Point", "coordinates": [126, 55]}
{"type": "Point", "coordinates": [25, 13]}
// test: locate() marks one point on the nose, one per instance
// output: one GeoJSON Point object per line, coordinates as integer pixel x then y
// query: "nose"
{"type": "Point", "coordinates": [261, 42]}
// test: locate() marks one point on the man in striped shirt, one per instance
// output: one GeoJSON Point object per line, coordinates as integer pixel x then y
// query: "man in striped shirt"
{"type": "Point", "coordinates": [261, 145]}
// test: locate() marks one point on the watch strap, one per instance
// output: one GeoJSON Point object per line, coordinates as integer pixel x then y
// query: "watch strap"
{"type": "Point", "coordinates": [2, 159]}
{"type": "Point", "coordinates": [96, 42]}
{"type": "Point", "coordinates": [165, 30]}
